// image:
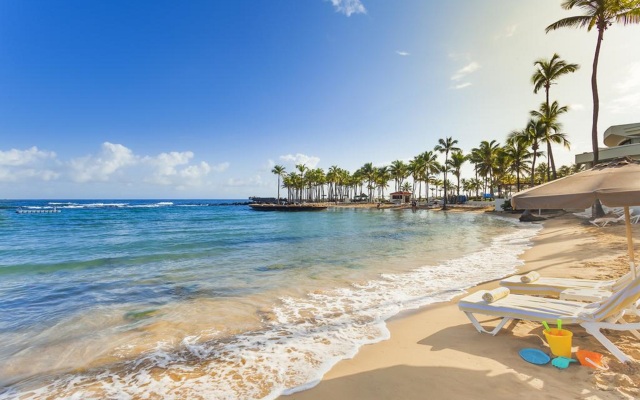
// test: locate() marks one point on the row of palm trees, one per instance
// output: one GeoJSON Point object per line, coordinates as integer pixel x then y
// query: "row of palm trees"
{"type": "Point", "coordinates": [495, 166]}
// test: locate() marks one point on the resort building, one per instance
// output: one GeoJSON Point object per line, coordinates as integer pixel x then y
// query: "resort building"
{"type": "Point", "coordinates": [621, 141]}
{"type": "Point", "coordinates": [401, 197]}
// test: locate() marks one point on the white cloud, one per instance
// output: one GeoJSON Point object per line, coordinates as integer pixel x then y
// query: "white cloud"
{"type": "Point", "coordinates": [625, 104]}
{"type": "Point", "coordinates": [462, 85]}
{"type": "Point", "coordinates": [632, 80]}
{"type": "Point", "coordinates": [31, 164]}
{"type": "Point", "coordinates": [193, 175]}
{"type": "Point", "coordinates": [466, 70]}
{"type": "Point", "coordinates": [628, 100]}
{"type": "Point", "coordinates": [511, 30]}
{"type": "Point", "coordinates": [309, 161]}
{"type": "Point", "coordinates": [174, 168]}
{"type": "Point", "coordinates": [30, 156]}
{"type": "Point", "coordinates": [112, 159]}
{"type": "Point", "coordinates": [349, 7]}
{"type": "Point", "coordinates": [164, 166]}
{"type": "Point", "coordinates": [221, 167]}
{"type": "Point", "coordinates": [576, 107]}
{"type": "Point", "coordinates": [113, 163]}
{"type": "Point", "coordinates": [402, 53]}
{"type": "Point", "coordinates": [508, 32]}
{"type": "Point", "coordinates": [252, 182]}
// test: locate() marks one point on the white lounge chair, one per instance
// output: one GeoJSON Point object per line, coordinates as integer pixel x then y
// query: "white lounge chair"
{"type": "Point", "coordinates": [606, 314]}
{"type": "Point", "coordinates": [604, 221]}
{"type": "Point", "coordinates": [547, 286]}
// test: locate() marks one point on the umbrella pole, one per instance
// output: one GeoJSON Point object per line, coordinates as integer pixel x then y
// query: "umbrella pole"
{"type": "Point", "coordinates": [632, 260]}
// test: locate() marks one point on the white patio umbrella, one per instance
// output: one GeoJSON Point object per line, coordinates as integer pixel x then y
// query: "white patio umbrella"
{"type": "Point", "coordinates": [615, 184]}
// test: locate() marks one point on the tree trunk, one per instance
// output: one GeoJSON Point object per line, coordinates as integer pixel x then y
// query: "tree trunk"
{"type": "Point", "coordinates": [596, 210]}
{"type": "Point", "coordinates": [278, 189]}
{"type": "Point", "coordinates": [444, 199]}
{"type": "Point", "coordinates": [533, 166]}
{"type": "Point", "coordinates": [553, 163]}
{"type": "Point", "coordinates": [596, 99]}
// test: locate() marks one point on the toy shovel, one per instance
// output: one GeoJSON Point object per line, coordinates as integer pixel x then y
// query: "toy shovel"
{"type": "Point", "coordinates": [562, 362]}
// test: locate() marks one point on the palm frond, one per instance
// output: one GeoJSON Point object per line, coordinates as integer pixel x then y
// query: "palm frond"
{"type": "Point", "coordinates": [571, 22]}
{"type": "Point", "coordinates": [629, 17]}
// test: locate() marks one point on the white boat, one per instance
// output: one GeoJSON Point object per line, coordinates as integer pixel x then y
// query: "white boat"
{"type": "Point", "coordinates": [21, 210]}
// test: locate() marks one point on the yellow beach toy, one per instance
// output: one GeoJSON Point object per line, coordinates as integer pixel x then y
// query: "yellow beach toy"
{"type": "Point", "coordinates": [559, 339]}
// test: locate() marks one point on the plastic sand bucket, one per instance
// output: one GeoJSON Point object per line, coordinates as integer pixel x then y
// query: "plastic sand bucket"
{"type": "Point", "coordinates": [559, 341]}
{"type": "Point", "coordinates": [590, 359]}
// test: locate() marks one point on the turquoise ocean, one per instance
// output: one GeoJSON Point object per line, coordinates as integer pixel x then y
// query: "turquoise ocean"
{"type": "Point", "coordinates": [209, 299]}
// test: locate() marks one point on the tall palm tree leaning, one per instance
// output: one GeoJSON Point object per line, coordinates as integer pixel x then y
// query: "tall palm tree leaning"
{"type": "Point", "coordinates": [600, 14]}
{"type": "Point", "coordinates": [446, 146]}
{"type": "Point", "coordinates": [546, 73]}
{"type": "Point", "coordinates": [278, 170]}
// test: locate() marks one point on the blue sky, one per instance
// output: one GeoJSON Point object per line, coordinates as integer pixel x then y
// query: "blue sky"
{"type": "Point", "coordinates": [199, 99]}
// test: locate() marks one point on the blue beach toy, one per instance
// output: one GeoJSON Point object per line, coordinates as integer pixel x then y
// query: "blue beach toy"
{"type": "Point", "coordinates": [534, 356]}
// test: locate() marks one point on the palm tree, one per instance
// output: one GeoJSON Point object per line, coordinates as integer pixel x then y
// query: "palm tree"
{"type": "Point", "coordinates": [300, 183]}
{"type": "Point", "coordinates": [486, 156]}
{"type": "Point", "coordinates": [540, 173]}
{"type": "Point", "coordinates": [437, 183]}
{"type": "Point", "coordinates": [600, 14]}
{"type": "Point", "coordinates": [417, 169]}
{"type": "Point", "coordinates": [455, 162]}
{"type": "Point", "coordinates": [278, 170]}
{"type": "Point", "coordinates": [548, 115]}
{"type": "Point", "coordinates": [532, 135]}
{"type": "Point", "coordinates": [564, 170]}
{"type": "Point", "coordinates": [475, 184]}
{"type": "Point", "coordinates": [446, 146]}
{"type": "Point", "coordinates": [293, 181]}
{"type": "Point", "coordinates": [431, 166]}
{"type": "Point", "coordinates": [368, 173]}
{"type": "Point", "coordinates": [382, 178]}
{"type": "Point", "coordinates": [475, 158]}
{"type": "Point", "coordinates": [398, 170]}
{"type": "Point", "coordinates": [546, 73]}
{"type": "Point", "coordinates": [333, 178]}
{"type": "Point", "coordinates": [406, 187]}
{"type": "Point", "coordinates": [315, 180]}
{"type": "Point", "coordinates": [518, 155]}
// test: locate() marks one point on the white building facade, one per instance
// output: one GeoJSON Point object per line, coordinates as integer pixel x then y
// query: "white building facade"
{"type": "Point", "coordinates": [621, 141]}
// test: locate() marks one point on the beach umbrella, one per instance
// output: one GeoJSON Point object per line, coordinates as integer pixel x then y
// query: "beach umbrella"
{"type": "Point", "coordinates": [615, 184]}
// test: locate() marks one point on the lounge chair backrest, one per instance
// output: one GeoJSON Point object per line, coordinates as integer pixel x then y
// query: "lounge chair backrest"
{"type": "Point", "coordinates": [618, 301]}
{"type": "Point", "coordinates": [623, 281]}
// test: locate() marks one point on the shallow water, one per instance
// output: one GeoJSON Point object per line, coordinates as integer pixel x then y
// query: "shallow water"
{"type": "Point", "coordinates": [193, 299]}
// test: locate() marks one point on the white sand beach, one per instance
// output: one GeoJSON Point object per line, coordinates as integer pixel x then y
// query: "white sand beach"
{"type": "Point", "coordinates": [436, 353]}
